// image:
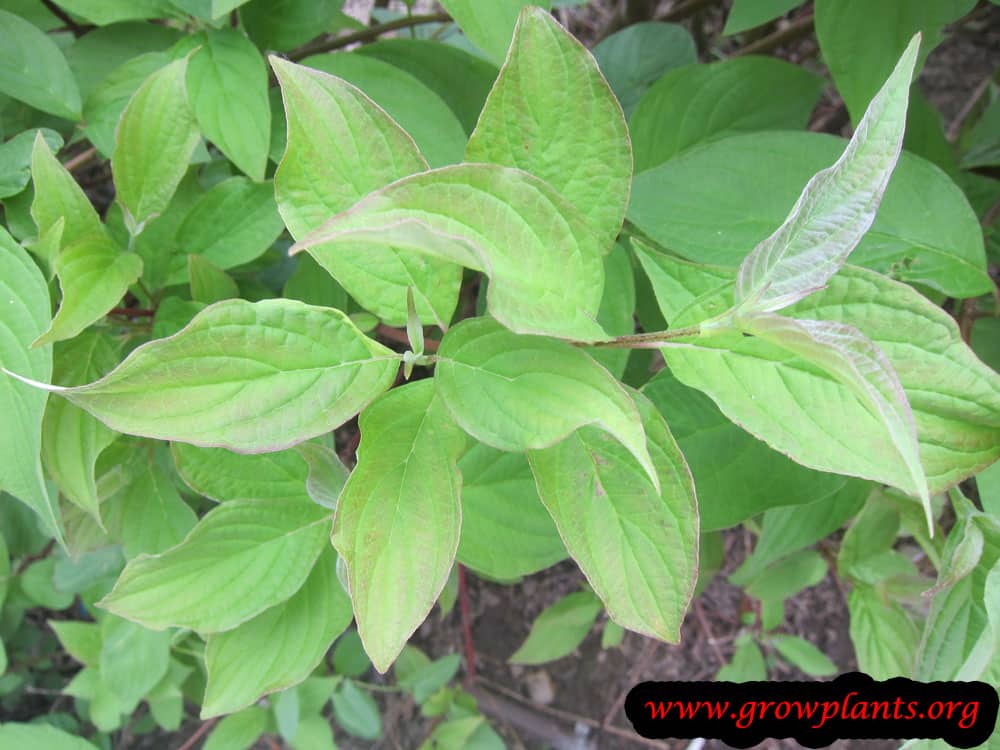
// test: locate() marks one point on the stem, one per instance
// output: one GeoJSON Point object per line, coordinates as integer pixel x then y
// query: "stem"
{"type": "Point", "coordinates": [82, 158]}
{"type": "Point", "coordinates": [799, 27]}
{"type": "Point", "coordinates": [683, 10]}
{"type": "Point", "coordinates": [40, 555]}
{"type": "Point", "coordinates": [365, 35]}
{"type": "Point", "coordinates": [132, 312]}
{"type": "Point", "coordinates": [198, 734]}
{"type": "Point", "coordinates": [470, 649]}
{"type": "Point", "coordinates": [63, 16]}
{"type": "Point", "coordinates": [642, 340]}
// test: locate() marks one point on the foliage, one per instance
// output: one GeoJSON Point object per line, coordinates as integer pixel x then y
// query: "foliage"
{"type": "Point", "coordinates": [463, 248]}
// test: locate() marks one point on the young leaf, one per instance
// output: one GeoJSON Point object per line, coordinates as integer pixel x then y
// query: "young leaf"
{"type": "Point", "coordinates": [559, 629]}
{"type": "Point", "coordinates": [884, 635]}
{"type": "Point", "coordinates": [149, 516]}
{"type": "Point", "coordinates": [133, 659]}
{"type": "Point", "coordinates": [342, 146]}
{"type": "Point", "coordinates": [34, 70]}
{"type": "Point", "coordinates": [251, 377]}
{"type": "Point", "coordinates": [72, 439]}
{"type": "Point", "coordinates": [39, 735]}
{"type": "Point", "coordinates": [846, 354]}
{"type": "Point", "coordinates": [547, 389]}
{"type": "Point", "coordinates": [398, 517]}
{"type": "Point", "coordinates": [327, 473]}
{"type": "Point", "coordinates": [222, 475]}
{"type": "Point", "coordinates": [209, 283]}
{"type": "Point", "coordinates": [153, 145]}
{"type": "Point", "coordinates": [488, 218]}
{"type": "Point", "coordinates": [835, 209]}
{"type": "Point", "coordinates": [284, 24]}
{"type": "Point", "coordinates": [357, 712]}
{"type": "Point", "coordinates": [749, 14]}
{"type": "Point", "coordinates": [242, 558]}
{"type": "Point", "coordinates": [506, 531]}
{"type": "Point", "coordinates": [240, 730]}
{"type": "Point", "coordinates": [279, 647]}
{"type": "Point", "coordinates": [747, 664]}
{"type": "Point", "coordinates": [489, 25]}
{"type": "Point", "coordinates": [227, 86]}
{"type": "Point", "coordinates": [24, 313]}
{"type": "Point", "coordinates": [637, 545]}
{"type": "Point", "coordinates": [58, 196]}
{"type": "Point", "coordinates": [16, 158]}
{"type": "Point", "coordinates": [551, 113]}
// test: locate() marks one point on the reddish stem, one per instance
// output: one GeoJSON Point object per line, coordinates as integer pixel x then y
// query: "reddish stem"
{"type": "Point", "coordinates": [470, 649]}
{"type": "Point", "coordinates": [132, 312]}
{"type": "Point", "coordinates": [199, 733]}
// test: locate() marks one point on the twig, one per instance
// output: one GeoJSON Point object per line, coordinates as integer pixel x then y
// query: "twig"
{"type": "Point", "coordinates": [198, 734]}
{"type": "Point", "coordinates": [132, 312]}
{"type": "Point", "coordinates": [400, 337]}
{"type": "Point", "coordinates": [365, 35]}
{"type": "Point", "coordinates": [991, 215]}
{"type": "Point", "coordinates": [633, 678]}
{"type": "Point", "coordinates": [470, 648]}
{"type": "Point", "coordinates": [63, 16]}
{"type": "Point", "coordinates": [683, 10]}
{"type": "Point", "coordinates": [82, 158]}
{"type": "Point", "coordinates": [798, 28]}
{"type": "Point", "coordinates": [31, 559]}
{"type": "Point", "coordinates": [955, 128]}
{"type": "Point", "coordinates": [709, 635]}
{"type": "Point", "coordinates": [966, 317]}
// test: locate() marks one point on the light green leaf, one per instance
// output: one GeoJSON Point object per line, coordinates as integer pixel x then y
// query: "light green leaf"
{"type": "Point", "coordinates": [637, 546]}
{"type": "Point", "coordinates": [72, 439]}
{"type": "Point", "coordinates": [312, 285]}
{"type": "Point", "coordinates": [749, 14]}
{"type": "Point", "coordinates": [58, 196]}
{"type": "Point", "coordinates": [460, 78]}
{"type": "Point", "coordinates": [700, 103]}
{"type": "Point", "coordinates": [313, 733]}
{"type": "Point", "coordinates": [788, 576]}
{"type": "Point", "coordinates": [242, 558]}
{"type": "Point", "coordinates": [612, 635]}
{"type": "Point", "coordinates": [24, 314]}
{"type": "Point", "coordinates": [16, 157]}
{"type": "Point", "coordinates": [398, 517]}
{"type": "Point", "coordinates": [233, 223]}
{"type": "Point", "coordinates": [279, 647]}
{"type": "Point", "coordinates": [835, 209]}
{"type": "Point", "coordinates": [559, 629]}
{"type": "Point", "coordinates": [33, 69]}
{"type": "Point", "coordinates": [15, 736]}
{"type": "Point", "coordinates": [634, 58]}
{"type": "Point", "coordinates": [222, 475]}
{"type": "Point", "coordinates": [37, 583]}
{"type": "Point", "coordinates": [490, 26]}
{"type": "Point", "coordinates": [885, 637]}
{"type": "Point", "coordinates": [149, 516]}
{"type": "Point", "coordinates": [488, 218]}
{"type": "Point", "coordinates": [724, 199]}
{"type": "Point", "coordinates": [251, 377]}
{"type": "Point", "coordinates": [349, 657]}
{"type": "Point", "coordinates": [239, 731]}
{"type": "Point", "coordinates": [227, 87]}
{"type": "Point", "coordinates": [81, 640]}
{"type": "Point", "coordinates": [341, 147]}
{"type": "Point", "coordinates": [861, 42]}
{"type": "Point", "coordinates": [418, 109]}
{"type": "Point", "coordinates": [541, 390]}
{"type": "Point", "coordinates": [104, 12]}
{"type": "Point", "coordinates": [284, 24]}
{"type": "Point", "coordinates": [551, 113]}
{"type": "Point", "coordinates": [357, 712]}
{"type": "Point", "coordinates": [132, 659]}
{"type": "Point", "coordinates": [747, 664]}
{"type": "Point", "coordinates": [844, 353]}
{"type": "Point", "coordinates": [153, 145]}
{"type": "Point", "coordinates": [327, 473]}
{"type": "Point", "coordinates": [209, 283]}
{"type": "Point", "coordinates": [506, 531]}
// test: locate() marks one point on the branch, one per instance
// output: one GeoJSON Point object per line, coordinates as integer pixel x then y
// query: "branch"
{"type": "Point", "coordinates": [198, 734]}
{"type": "Point", "coordinates": [63, 16]}
{"type": "Point", "coordinates": [642, 340]}
{"type": "Point", "coordinates": [800, 27]}
{"type": "Point", "coordinates": [40, 555]}
{"type": "Point", "coordinates": [683, 10]}
{"type": "Point", "coordinates": [365, 35]}
{"type": "Point", "coordinates": [470, 649]}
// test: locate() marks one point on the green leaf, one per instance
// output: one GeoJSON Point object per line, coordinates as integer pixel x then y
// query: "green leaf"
{"type": "Point", "coordinates": [724, 199]}
{"type": "Point", "coordinates": [103, 109]}
{"type": "Point", "coordinates": [239, 731]}
{"type": "Point", "coordinates": [860, 43]}
{"type": "Point", "coordinates": [227, 76]}
{"type": "Point", "coordinates": [133, 660]}
{"type": "Point", "coordinates": [24, 314]}
{"type": "Point", "coordinates": [327, 474]}
{"type": "Point", "coordinates": [15, 159]}
{"type": "Point", "coordinates": [312, 285]}
{"type": "Point", "coordinates": [559, 629]}
{"type": "Point", "coordinates": [37, 583]}
{"type": "Point", "coordinates": [81, 640]}
{"type": "Point", "coordinates": [349, 657]}
{"type": "Point", "coordinates": [284, 24]}
{"type": "Point", "coordinates": [700, 103]}
{"type": "Point", "coordinates": [33, 69]}
{"type": "Point", "coordinates": [356, 712]}
{"type": "Point", "coordinates": [104, 12]}
{"type": "Point", "coordinates": [153, 145]}
{"type": "Point", "coordinates": [418, 109]}
{"type": "Point", "coordinates": [222, 475]}
{"type": "Point", "coordinates": [788, 576]}
{"type": "Point", "coordinates": [488, 218]}
{"type": "Point", "coordinates": [233, 223]}
{"type": "Point", "coordinates": [490, 26]}
{"type": "Point", "coordinates": [326, 169]}
{"type": "Point", "coordinates": [506, 531]}
{"type": "Point", "coordinates": [242, 558]}
{"type": "Point", "coordinates": [72, 439]}
{"type": "Point", "coordinates": [58, 196]}
{"type": "Point", "coordinates": [749, 14]}
{"type": "Point", "coordinates": [835, 209]}
{"type": "Point", "coordinates": [884, 635]}
{"type": "Point", "coordinates": [746, 478]}
{"type": "Point", "coordinates": [634, 58]}
{"type": "Point", "coordinates": [224, 380]}
{"type": "Point", "coordinates": [149, 516]}
{"type": "Point", "coordinates": [209, 283]}
{"type": "Point", "coordinates": [461, 79]}
{"type": "Point", "coordinates": [399, 517]}
{"type": "Point", "coordinates": [551, 113]}
{"type": "Point", "coordinates": [427, 679]}
{"type": "Point", "coordinates": [547, 388]}
{"type": "Point", "coordinates": [313, 733]}
{"type": "Point", "coordinates": [847, 355]}
{"type": "Point", "coordinates": [638, 546]}
{"type": "Point", "coordinates": [16, 736]}
{"type": "Point", "coordinates": [747, 664]}
{"type": "Point", "coordinates": [279, 647]}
